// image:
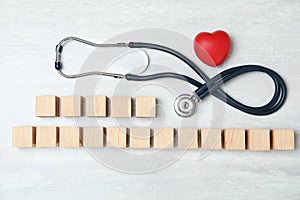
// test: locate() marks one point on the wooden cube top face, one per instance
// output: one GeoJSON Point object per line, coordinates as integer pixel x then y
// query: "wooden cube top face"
{"type": "Point", "coordinates": [70, 136]}
{"type": "Point", "coordinates": [283, 139]}
{"type": "Point", "coordinates": [46, 106]}
{"type": "Point", "coordinates": [211, 138]}
{"type": "Point", "coordinates": [46, 136]}
{"type": "Point", "coordinates": [258, 139]}
{"type": "Point", "coordinates": [93, 137]}
{"type": "Point", "coordinates": [116, 137]}
{"type": "Point", "coordinates": [121, 106]}
{"type": "Point", "coordinates": [187, 138]}
{"type": "Point", "coordinates": [145, 106]}
{"type": "Point", "coordinates": [234, 139]}
{"type": "Point", "coordinates": [139, 138]}
{"type": "Point", "coordinates": [71, 106]}
{"type": "Point", "coordinates": [163, 138]}
{"type": "Point", "coordinates": [23, 136]}
{"type": "Point", "coordinates": [96, 106]}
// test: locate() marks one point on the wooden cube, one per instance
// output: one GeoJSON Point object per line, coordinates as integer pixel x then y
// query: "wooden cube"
{"type": "Point", "coordinates": [116, 137]}
{"type": "Point", "coordinates": [211, 138]}
{"type": "Point", "coordinates": [71, 106]}
{"type": "Point", "coordinates": [121, 106]}
{"type": "Point", "coordinates": [139, 138]}
{"type": "Point", "coordinates": [70, 136]}
{"type": "Point", "coordinates": [283, 139]}
{"type": "Point", "coordinates": [187, 138]}
{"type": "Point", "coordinates": [234, 139]}
{"type": "Point", "coordinates": [93, 137]}
{"type": "Point", "coordinates": [46, 136]}
{"type": "Point", "coordinates": [46, 106]}
{"type": "Point", "coordinates": [145, 106]}
{"type": "Point", "coordinates": [163, 138]}
{"type": "Point", "coordinates": [96, 106]}
{"type": "Point", "coordinates": [258, 139]}
{"type": "Point", "coordinates": [24, 136]}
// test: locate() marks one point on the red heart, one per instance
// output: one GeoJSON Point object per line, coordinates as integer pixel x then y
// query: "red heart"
{"type": "Point", "coordinates": [212, 48]}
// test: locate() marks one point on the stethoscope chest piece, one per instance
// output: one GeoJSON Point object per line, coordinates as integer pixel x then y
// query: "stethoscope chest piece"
{"type": "Point", "coordinates": [185, 105]}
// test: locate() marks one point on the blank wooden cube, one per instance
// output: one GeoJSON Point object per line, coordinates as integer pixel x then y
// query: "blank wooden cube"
{"type": "Point", "coordinates": [70, 136]}
{"type": "Point", "coordinates": [283, 139]}
{"type": "Point", "coordinates": [46, 136]}
{"type": "Point", "coordinates": [211, 138]}
{"type": "Point", "coordinates": [145, 106]}
{"type": "Point", "coordinates": [163, 138]}
{"type": "Point", "coordinates": [96, 106]}
{"type": "Point", "coordinates": [121, 106]}
{"type": "Point", "coordinates": [24, 136]}
{"type": "Point", "coordinates": [116, 137]}
{"type": "Point", "coordinates": [93, 137]}
{"type": "Point", "coordinates": [71, 106]}
{"type": "Point", "coordinates": [46, 106]}
{"type": "Point", "coordinates": [139, 138]}
{"type": "Point", "coordinates": [258, 139]}
{"type": "Point", "coordinates": [234, 139]}
{"type": "Point", "coordinates": [187, 138]}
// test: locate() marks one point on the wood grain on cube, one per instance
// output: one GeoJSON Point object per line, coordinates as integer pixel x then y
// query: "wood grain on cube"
{"type": "Point", "coordinates": [46, 106]}
{"type": "Point", "coordinates": [70, 136]}
{"type": "Point", "coordinates": [283, 139]}
{"type": "Point", "coordinates": [163, 138]}
{"type": "Point", "coordinates": [121, 106]}
{"type": "Point", "coordinates": [46, 136]}
{"type": "Point", "coordinates": [145, 106]}
{"type": "Point", "coordinates": [139, 138]}
{"type": "Point", "coordinates": [24, 136]}
{"type": "Point", "coordinates": [211, 138]}
{"type": "Point", "coordinates": [116, 137]}
{"type": "Point", "coordinates": [93, 137]}
{"type": "Point", "coordinates": [96, 106]}
{"type": "Point", "coordinates": [71, 106]}
{"type": "Point", "coordinates": [258, 139]}
{"type": "Point", "coordinates": [187, 138]}
{"type": "Point", "coordinates": [234, 139]}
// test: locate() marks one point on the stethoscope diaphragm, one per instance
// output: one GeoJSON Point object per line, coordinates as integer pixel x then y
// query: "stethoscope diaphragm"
{"type": "Point", "coordinates": [185, 105]}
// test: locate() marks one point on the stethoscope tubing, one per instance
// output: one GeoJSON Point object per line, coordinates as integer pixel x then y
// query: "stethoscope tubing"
{"type": "Point", "coordinates": [212, 85]}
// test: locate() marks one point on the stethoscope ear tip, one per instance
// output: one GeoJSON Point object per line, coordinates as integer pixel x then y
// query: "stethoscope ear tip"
{"type": "Point", "coordinates": [58, 65]}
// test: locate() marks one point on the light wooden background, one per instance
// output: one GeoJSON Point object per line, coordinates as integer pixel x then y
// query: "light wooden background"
{"type": "Point", "coordinates": [263, 32]}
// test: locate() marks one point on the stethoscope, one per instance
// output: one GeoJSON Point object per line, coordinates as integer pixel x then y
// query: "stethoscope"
{"type": "Point", "coordinates": [185, 105]}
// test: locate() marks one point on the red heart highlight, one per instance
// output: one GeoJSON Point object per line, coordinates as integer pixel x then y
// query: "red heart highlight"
{"type": "Point", "coordinates": [212, 48]}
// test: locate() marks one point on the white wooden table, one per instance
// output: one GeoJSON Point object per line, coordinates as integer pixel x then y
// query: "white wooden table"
{"type": "Point", "coordinates": [263, 32]}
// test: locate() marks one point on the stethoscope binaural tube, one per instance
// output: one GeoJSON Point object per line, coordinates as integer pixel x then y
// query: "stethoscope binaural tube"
{"type": "Point", "coordinates": [185, 105]}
